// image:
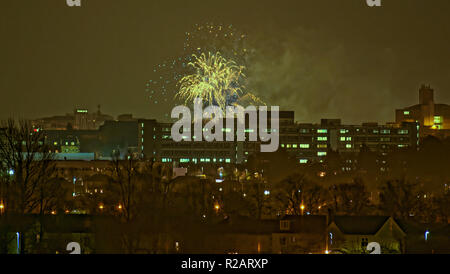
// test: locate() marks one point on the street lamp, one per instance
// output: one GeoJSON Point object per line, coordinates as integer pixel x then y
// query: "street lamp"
{"type": "Point", "coordinates": [2, 207]}
{"type": "Point", "coordinates": [217, 207]}
{"type": "Point", "coordinates": [302, 207]}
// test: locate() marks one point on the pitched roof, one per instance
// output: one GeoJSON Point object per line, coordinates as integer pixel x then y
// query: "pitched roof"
{"type": "Point", "coordinates": [360, 225]}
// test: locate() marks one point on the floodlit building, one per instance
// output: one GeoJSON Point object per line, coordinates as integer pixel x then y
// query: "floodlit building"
{"type": "Point", "coordinates": [432, 117]}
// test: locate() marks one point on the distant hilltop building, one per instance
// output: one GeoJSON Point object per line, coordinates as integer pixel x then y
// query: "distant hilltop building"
{"type": "Point", "coordinates": [80, 119]}
{"type": "Point", "coordinates": [434, 118]}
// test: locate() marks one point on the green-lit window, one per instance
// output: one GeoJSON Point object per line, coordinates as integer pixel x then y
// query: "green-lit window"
{"type": "Point", "coordinates": [321, 153]}
{"type": "Point", "coordinates": [304, 145]}
{"type": "Point", "coordinates": [348, 145]}
{"type": "Point", "coordinates": [294, 145]}
{"type": "Point", "coordinates": [322, 146]}
{"type": "Point", "coordinates": [322, 138]}
{"type": "Point", "coordinates": [438, 120]}
{"type": "Point", "coordinates": [303, 161]}
{"type": "Point", "coordinates": [322, 131]}
{"type": "Point", "coordinates": [406, 112]}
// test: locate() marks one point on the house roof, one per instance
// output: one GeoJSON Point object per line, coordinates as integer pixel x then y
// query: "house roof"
{"type": "Point", "coordinates": [360, 225]}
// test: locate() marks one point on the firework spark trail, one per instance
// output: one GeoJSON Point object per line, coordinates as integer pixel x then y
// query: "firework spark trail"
{"type": "Point", "coordinates": [225, 86]}
{"type": "Point", "coordinates": [215, 80]}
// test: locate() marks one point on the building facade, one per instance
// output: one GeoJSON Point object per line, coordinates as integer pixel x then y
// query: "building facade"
{"type": "Point", "coordinates": [432, 117]}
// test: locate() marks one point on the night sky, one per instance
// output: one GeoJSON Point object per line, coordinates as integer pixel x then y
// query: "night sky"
{"type": "Point", "coordinates": [322, 58]}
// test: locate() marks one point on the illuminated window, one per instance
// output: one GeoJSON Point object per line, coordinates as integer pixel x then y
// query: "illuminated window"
{"type": "Point", "coordinates": [294, 145]}
{"type": "Point", "coordinates": [403, 131]}
{"type": "Point", "coordinates": [304, 145]}
{"type": "Point", "coordinates": [322, 146]}
{"type": "Point", "coordinates": [322, 138]}
{"type": "Point", "coordinates": [303, 161]}
{"type": "Point", "coordinates": [248, 130]}
{"type": "Point", "coordinates": [438, 120]}
{"type": "Point", "coordinates": [344, 131]}
{"type": "Point", "coordinates": [385, 131]}
{"type": "Point", "coordinates": [406, 112]}
{"type": "Point", "coordinates": [322, 131]}
{"type": "Point", "coordinates": [348, 145]}
{"type": "Point", "coordinates": [227, 160]}
{"type": "Point", "coordinates": [321, 153]}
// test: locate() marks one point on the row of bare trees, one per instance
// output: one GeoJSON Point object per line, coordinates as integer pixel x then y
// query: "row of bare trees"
{"type": "Point", "coordinates": [28, 180]}
{"type": "Point", "coordinates": [298, 194]}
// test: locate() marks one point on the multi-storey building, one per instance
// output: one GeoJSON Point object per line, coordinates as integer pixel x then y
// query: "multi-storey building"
{"type": "Point", "coordinates": [307, 142]}
{"type": "Point", "coordinates": [80, 119]}
{"type": "Point", "coordinates": [433, 118]}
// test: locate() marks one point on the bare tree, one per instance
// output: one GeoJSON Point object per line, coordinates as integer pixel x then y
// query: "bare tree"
{"type": "Point", "coordinates": [349, 198]}
{"type": "Point", "coordinates": [296, 195]}
{"type": "Point", "coordinates": [400, 198]}
{"type": "Point", "coordinates": [29, 165]}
